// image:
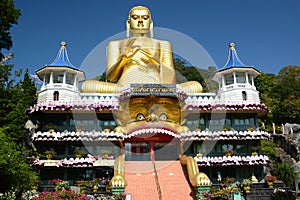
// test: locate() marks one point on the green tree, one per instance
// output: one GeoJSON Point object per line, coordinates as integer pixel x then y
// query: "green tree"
{"type": "Point", "coordinates": [14, 169]}
{"type": "Point", "coordinates": [9, 15]}
{"type": "Point", "coordinates": [15, 97]}
{"type": "Point", "coordinates": [281, 93]}
{"type": "Point", "coordinates": [191, 73]}
{"type": "Point", "coordinates": [265, 84]}
{"type": "Point", "coordinates": [101, 77]}
{"type": "Point", "coordinates": [286, 173]}
{"type": "Point", "coordinates": [22, 96]}
{"type": "Point", "coordinates": [268, 149]}
{"type": "Point", "coordinates": [287, 91]}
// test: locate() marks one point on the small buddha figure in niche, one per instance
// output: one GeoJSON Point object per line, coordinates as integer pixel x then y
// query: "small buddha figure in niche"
{"type": "Point", "coordinates": [138, 59]}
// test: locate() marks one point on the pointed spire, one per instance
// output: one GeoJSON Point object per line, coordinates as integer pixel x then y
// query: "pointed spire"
{"type": "Point", "coordinates": [233, 59]}
{"type": "Point", "coordinates": [62, 59]}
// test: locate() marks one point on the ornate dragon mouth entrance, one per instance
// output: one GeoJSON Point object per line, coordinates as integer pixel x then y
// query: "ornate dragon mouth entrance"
{"type": "Point", "coordinates": [154, 148]}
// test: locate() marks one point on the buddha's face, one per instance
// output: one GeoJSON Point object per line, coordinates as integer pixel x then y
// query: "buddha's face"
{"type": "Point", "coordinates": [139, 21]}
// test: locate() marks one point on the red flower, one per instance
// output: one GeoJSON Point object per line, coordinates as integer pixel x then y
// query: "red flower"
{"type": "Point", "coordinates": [270, 178]}
{"type": "Point", "coordinates": [55, 181]}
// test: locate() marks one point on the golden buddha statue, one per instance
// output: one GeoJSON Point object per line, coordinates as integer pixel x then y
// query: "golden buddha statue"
{"type": "Point", "coordinates": [138, 59]}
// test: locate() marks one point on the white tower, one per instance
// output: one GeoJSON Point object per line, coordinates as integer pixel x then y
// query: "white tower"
{"type": "Point", "coordinates": [60, 79]}
{"type": "Point", "coordinates": [236, 80]}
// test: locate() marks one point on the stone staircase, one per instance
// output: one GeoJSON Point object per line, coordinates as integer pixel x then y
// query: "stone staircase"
{"type": "Point", "coordinates": [157, 180]}
{"type": "Point", "coordinates": [284, 157]}
{"type": "Point", "coordinates": [260, 191]}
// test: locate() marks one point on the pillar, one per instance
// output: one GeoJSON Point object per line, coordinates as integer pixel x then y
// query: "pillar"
{"type": "Point", "coordinates": [75, 81]}
{"type": "Point", "coordinates": [223, 82]}
{"type": "Point", "coordinates": [51, 78]}
{"type": "Point", "coordinates": [152, 151]}
{"type": "Point", "coordinates": [234, 78]}
{"type": "Point", "coordinates": [65, 77]}
{"type": "Point", "coordinates": [247, 78]}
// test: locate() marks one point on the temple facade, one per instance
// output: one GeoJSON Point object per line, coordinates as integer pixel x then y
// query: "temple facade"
{"type": "Point", "coordinates": [84, 136]}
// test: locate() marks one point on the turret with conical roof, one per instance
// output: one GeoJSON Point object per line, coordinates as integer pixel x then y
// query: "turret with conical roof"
{"type": "Point", "coordinates": [60, 78]}
{"type": "Point", "coordinates": [236, 80]}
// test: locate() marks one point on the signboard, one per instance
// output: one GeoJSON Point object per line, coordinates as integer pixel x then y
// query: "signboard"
{"type": "Point", "coordinates": [153, 89]}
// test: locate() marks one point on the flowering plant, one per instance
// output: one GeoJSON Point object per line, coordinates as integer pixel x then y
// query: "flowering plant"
{"type": "Point", "coordinates": [82, 183]}
{"type": "Point", "coordinates": [229, 180]}
{"type": "Point", "coordinates": [55, 181]}
{"type": "Point", "coordinates": [62, 194]}
{"type": "Point", "coordinates": [100, 181]}
{"type": "Point", "coordinates": [64, 185]}
{"type": "Point", "coordinates": [246, 182]}
{"type": "Point", "coordinates": [270, 178]}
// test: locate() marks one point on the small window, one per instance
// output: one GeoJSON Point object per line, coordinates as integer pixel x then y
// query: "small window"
{"type": "Point", "coordinates": [240, 77]}
{"type": "Point", "coordinates": [229, 79]}
{"type": "Point", "coordinates": [55, 96]}
{"type": "Point", "coordinates": [244, 95]}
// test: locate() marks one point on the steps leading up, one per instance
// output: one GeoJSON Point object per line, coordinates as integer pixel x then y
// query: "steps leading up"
{"type": "Point", "coordinates": [172, 181]}
{"type": "Point", "coordinates": [143, 185]}
{"type": "Point", "coordinates": [139, 176]}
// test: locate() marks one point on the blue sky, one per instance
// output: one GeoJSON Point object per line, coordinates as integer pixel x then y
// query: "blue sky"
{"type": "Point", "coordinates": [266, 33]}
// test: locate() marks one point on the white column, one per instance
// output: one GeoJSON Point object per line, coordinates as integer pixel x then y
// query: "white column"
{"type": "Point", "coordinates": [75, 81]}
{"type": "Point", "coordinates": [51, 78]}
{"type": "Point", "coordinates": [65, 76]}
{"type": "Point", "coordinates": [44, 80]}
{"type": "Point", "coordinates": [247, 79]}
{"type": "Point", "coordinates": [252, 82]}
{"type": "Point", "coordinates": [223, 82]}
{"type": "Point", "coordinates": [234, 79]}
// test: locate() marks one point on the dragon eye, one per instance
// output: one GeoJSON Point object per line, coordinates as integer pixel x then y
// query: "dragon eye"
{"type": "Point", "coordinates": [163, 117]}
{"type": "Point", "coordinates": [140, 117]}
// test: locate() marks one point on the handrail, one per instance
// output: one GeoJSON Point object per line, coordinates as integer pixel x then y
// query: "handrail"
{"type": "Point", "coordinates": [119, 172]}
{"type": "Point", "coordinates": [195, 177]}
{"type": "Point", "coordinates": [156, 181]}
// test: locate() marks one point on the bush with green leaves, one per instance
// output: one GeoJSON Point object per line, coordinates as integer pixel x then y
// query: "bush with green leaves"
{"type": "Point", "coordinates": [268, 149]}
{"type": "Point", "coordinates": [286, 173]}
{"type": "Point", "coordinates": [9, 195]}
{"type": "Point", "coordinates": [29, 194]}
{"type": "Point", "coordinates": [280, 194]}
{"type": "Point", "coordinates": [62, 185]}
{"type": "Point", "coordinates": [15, 172]}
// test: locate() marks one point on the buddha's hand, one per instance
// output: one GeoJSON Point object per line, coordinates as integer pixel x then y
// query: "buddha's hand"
{"type": "Point", "coordinates": [131, 51]}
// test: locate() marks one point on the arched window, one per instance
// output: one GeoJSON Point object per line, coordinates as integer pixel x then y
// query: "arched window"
{"type": "Point", "coordinates": [244, 95]}
{"type": "Point", "coordinates": [55, 96]}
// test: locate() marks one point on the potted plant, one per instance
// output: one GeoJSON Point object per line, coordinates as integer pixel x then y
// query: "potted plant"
{"type": "Point", "coordinates": [78, 152]}
{"type": "Point", "coordinates": [63, 185]}
{"type": "Point", "coordinates": [255, 148]}
{"type": "Point", "coordinates": [50, 153]}
{"type": "Point", "coordinates": [228, 152]}
{"type": "Point", "coordinates": [270, 179]}
{"type": "Point", "coordinates": [228, 180]}
{"type": "Point", "coordinates": [83, 186]}
{"type": "Point", "coordinates": [50, 127]}
{"type": "Point", "coordinates": [199, 155]}
{"type": "Point", "coordinates": [246, 184]}
{"type": "Point", "coordinates": [35, 183]}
